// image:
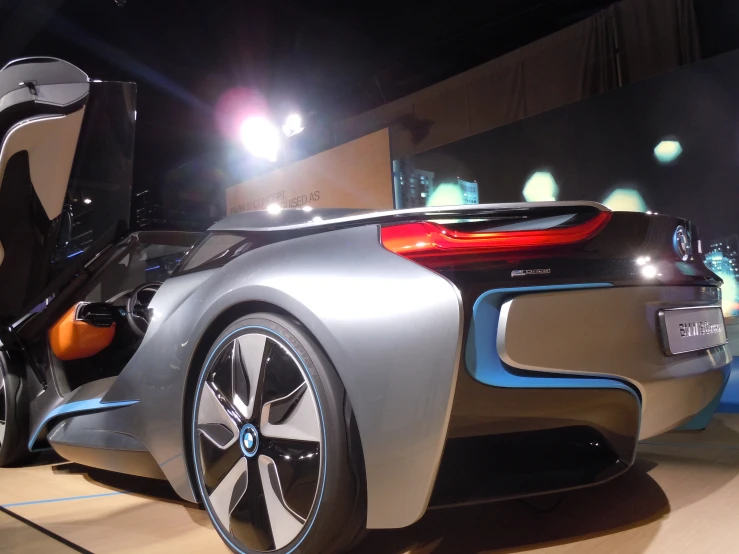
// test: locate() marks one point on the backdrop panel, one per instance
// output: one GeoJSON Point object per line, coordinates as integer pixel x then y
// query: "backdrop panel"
{"type": "Point", "coordinates": [353, 175]}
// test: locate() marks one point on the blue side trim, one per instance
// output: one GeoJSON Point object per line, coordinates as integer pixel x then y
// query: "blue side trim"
{"type": "Point", "coordinates": [481, 355]}
{"type": "Point", "coordinates": [701, 420]}
{"type": "Point", "coordinates": [86, 497]}
{"type": "Point", "coordinates": [77, 407]}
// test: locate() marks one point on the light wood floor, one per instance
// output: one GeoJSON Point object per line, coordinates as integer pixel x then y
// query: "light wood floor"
{"type": "Point", "coordinates": [682, 496]}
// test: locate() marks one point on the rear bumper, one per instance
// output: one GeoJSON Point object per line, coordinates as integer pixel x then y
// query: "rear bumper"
{"type": "Point", "coordinates": [562, 383]}
{"type": "Point", "coordinates": [612, 334]}
{"type": "Point", "coordinates": [514, 442]}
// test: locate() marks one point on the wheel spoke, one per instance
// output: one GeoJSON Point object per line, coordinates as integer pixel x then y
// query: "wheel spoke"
{"type": "Point", "coordinates": [229, 492]}
{"type": "Point", "coordinates": [292, 417]}
{"type": "Point", "coordinates": [217, 420]}
{"type": "Point", "coordinates": [248, 365]}
{"type": "Point", "coordinates": [298, 466]}
{"type": "Point", "coordinates": [285, 523]}
{"type": "Point", "coordinates": [259, 447]}
{"type": "Point", "coordinates": [2, 409]}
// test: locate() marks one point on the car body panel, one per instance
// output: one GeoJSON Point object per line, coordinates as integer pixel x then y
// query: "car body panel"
{"type": "Point", "coordinates": [395, 332]}
{"type": "Point", "coordinates": [391, 328]}
{"type": "Point", "coordinates": [584, 332]}
{"type": "Point", "coordinates": [561, 339]}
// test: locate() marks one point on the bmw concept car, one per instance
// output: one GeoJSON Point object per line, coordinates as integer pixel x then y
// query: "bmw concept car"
{"type": "Point", "coordinates": [307, 375]}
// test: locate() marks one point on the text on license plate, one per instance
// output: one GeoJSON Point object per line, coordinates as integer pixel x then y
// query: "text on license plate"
{"type": "Point", "coordinates": [690, 329]}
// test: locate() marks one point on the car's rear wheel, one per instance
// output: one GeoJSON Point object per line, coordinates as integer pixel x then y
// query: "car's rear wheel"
{"type": "Point", "coordinates": [273, 442]}
{"type": "Point", "coordinates": [13, 416]}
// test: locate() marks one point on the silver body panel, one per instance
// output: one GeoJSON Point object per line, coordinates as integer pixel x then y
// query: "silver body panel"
{"type": "Point", "coordinates": [613, 333]}
{"type": "Point", "coordinates": [391, 328]}
{"type": "Point", "coordinates": [394, 332]}
{"type": "Point", "coordinates": [298, 219]}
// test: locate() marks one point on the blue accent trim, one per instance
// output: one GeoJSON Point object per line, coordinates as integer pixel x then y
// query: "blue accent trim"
{"type": "Point", "coordinates": [701, 420]}
{"type": "Point", "coordinates": [484, 363]}
{"type": "Point", "coordinates": [77, 407]}
{"type": "Point", "coordinates": [201, 380]}
{"type": "Point", "coordinates": [75, 254]}
{"type": "Point", "coordinates": [172, 459]}
{"type": "Point", "coordinates": [249, 450]}
{"type": "Point", "coordinates": [32, 502]}
{"type": "Point", "coordinates": [152, 268]}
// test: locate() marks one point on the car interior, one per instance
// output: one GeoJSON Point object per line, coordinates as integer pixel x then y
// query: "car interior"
{"type": "Point", "coordinates": [99, 333]}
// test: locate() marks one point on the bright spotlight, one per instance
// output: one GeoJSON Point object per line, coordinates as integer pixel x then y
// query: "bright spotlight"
{"type": "Point", "coordinates": [274, 208]}
{"type": "Point", "coordinates": [293, 125]}
{"type": "Point", "coordinates": [541, 187]}
{"type": "Point", "coordinates": [307, 209]}
{"type": "Point", "coordinates": [87, 201]}
{"type": "Point", "coordinates": [446, 194]}
{"type": "Point", "coordinates": [667, 151]}
{"type": "Point", "coordinates": [625, 200]}
{"type": "Point", "coordinates": [260, 138]}
{"type": "Point", "coordinates": [649, 271]}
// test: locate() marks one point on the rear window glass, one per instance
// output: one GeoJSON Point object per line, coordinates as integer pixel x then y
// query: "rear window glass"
{"type": "Point", "coordinates": [214, 247]}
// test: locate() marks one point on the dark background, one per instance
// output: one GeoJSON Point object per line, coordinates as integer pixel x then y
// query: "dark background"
{"type": "Point", "coordinates": [607, 142]}
{"type": "Point", "coordinates": [330, 59]}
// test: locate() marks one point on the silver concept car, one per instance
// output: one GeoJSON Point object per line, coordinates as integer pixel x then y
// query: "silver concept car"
{"type": "Point", "coordinates": [307, 375]}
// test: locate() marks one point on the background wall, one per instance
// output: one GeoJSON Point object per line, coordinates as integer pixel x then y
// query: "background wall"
{"type": "Point", "coordinates": [625, 43]}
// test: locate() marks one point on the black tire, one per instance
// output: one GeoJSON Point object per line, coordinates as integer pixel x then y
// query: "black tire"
{"type": "Point", "coordinates": [14, 416]}
{"type": "Point", "coordinates": [337, 515]}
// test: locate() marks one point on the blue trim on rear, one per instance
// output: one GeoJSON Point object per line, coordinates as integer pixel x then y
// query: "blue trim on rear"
{"type": "Point", "coordinates": [77, 407]}
{"type": "Point", "coordinates": [701, 420]}
{"type": "Point", "coordinates": [484, 363]}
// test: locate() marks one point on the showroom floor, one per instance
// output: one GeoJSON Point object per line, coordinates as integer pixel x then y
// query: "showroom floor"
{"type": "Point", "coordinates": [682, 496]}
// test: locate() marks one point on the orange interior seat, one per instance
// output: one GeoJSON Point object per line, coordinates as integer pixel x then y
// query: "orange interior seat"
{"type": "Point", "coordinates": [73, 339]}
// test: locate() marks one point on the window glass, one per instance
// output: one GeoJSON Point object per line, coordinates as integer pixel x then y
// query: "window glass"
{"type": "Point", "coordinates": [214, 246]}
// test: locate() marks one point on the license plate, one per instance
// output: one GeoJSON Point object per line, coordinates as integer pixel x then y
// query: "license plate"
{"type": "Point", "coordinates": [690, 329]}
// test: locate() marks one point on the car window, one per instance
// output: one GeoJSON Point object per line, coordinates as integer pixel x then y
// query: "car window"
{"type": "Point", "coordinates": [213, 247]}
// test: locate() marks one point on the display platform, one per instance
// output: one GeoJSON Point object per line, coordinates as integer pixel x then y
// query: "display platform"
{"type": "Point", "coordinates": [681, 496]}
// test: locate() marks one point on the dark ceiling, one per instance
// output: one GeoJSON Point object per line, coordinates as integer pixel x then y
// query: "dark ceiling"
{"type": "Point", "coordinates": [331, 58]}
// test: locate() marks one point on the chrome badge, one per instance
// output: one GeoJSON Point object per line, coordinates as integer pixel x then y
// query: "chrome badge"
{"type": "Point", "coordinates": [526, 272]}
{"type": "Point", "coordinates": [681, 243]}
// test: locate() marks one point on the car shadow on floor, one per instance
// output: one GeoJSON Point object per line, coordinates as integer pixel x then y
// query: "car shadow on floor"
{"type": "Point", "coordinates": [631, 500]}
{"type": "Point", "coordinates": [130, 484]}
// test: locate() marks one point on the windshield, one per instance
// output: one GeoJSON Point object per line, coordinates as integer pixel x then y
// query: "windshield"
{"type": "Point", "coordinates": [144, 262]}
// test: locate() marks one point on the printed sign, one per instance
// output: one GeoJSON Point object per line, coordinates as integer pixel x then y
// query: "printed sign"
{"type": "Point", "coordinates": [354, 175]}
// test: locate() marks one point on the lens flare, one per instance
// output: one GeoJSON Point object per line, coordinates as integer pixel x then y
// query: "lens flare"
{"type": "Point", "coordinates": [541, 187]}
{"type": "Point", "coordinates": [446, 194]}
{"type": "Point", "coordinates": [668, 151]}
{"type": "Point", "coordinates": [625, 200]}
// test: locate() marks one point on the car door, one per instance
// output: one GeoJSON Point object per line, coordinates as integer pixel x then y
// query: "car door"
{"type": "Point", "coordinates": [63, 136]}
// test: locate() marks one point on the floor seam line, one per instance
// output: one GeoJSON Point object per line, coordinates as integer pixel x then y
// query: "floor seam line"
{"type": "Point", "coordinates": [52, 500]}
{"type": "Point", "coordinates": [46, 531]}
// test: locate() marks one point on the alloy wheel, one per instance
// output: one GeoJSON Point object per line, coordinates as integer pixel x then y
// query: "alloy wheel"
{"type": "Point", "coordinates": [259, 442]}
{"type": "Point", "coordinates": [3, 409]}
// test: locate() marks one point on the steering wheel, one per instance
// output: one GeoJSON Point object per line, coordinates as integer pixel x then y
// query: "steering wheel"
{"type": "Point", "coordinates": [137, 315]}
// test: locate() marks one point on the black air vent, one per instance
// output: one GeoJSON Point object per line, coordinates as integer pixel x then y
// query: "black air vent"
{"type": "Point", "coordinates": [96, 314]}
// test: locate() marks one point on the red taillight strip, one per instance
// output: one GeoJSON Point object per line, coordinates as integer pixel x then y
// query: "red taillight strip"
{"type": "Point", "coordinates": [424, 238]}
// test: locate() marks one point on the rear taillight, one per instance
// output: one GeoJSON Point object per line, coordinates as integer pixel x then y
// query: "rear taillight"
{"type": "Point", "coordinates": [434, 245]}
